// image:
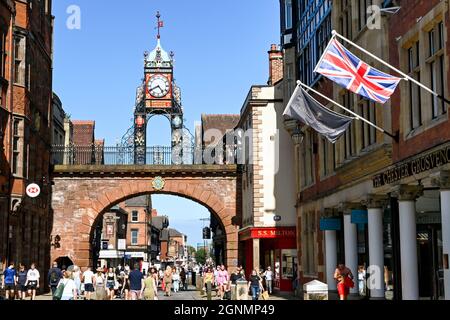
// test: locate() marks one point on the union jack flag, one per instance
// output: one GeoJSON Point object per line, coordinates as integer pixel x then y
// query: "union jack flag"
{"type": "Point", "coordinates": [341, 66]}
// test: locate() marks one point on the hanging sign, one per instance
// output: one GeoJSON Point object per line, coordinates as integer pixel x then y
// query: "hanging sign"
{"type": "Point", "coordinates": [330, 224]}
{"type": "Point", "coordinates": [33, 190]}
{"type": "Point", "coordinates": [359, 217]}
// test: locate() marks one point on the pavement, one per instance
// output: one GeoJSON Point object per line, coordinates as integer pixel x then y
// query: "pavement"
{"type": "Point", "coordinates": [192, 294]}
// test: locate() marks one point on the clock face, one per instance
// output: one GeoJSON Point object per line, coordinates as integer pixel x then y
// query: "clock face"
{"type": "Point", "coordinates": [158, 86]}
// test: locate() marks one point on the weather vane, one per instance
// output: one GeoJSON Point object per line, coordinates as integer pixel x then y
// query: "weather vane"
{"type": "Point", "coordinates": [160, 24]}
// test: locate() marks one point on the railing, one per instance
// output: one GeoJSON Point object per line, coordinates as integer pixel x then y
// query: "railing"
{"type": "Point", "coordinates": [102, 155]}
{"type": "Point", "coordinates": [156, 155]}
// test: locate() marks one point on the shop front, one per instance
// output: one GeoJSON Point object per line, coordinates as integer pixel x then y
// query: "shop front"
{"type": "Point", "coordinates": [272, 247]}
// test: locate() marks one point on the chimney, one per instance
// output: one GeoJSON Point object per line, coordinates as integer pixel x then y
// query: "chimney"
{"type": "Point", "coordinates": [275, 65]}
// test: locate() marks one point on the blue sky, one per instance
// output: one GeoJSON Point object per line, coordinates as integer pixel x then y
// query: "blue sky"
{"type": "Point", "coordinates": [220, 51]}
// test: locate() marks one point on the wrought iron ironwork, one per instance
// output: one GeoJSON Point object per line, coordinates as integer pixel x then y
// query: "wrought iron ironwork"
{"type": "Point", "coordinates": [119, 155]}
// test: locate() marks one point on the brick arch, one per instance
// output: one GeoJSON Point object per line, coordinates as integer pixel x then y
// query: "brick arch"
{"type": "Point", "coordinates": [78, 202]}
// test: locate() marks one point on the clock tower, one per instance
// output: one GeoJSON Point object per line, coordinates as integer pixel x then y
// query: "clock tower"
{"type": "Point", "coordinates": [158, 95]}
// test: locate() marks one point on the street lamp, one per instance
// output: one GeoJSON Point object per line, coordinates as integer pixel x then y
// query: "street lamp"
{"type": "Point", "coordinates": [297, 135]}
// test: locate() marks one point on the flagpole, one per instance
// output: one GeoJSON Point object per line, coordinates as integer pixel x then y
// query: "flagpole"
{"type": "Point", "coordinates": [324, 52]}
{"type": "Point", "coordinates": [408, 78]}
{"type": "Point", "coordinates": [357, 116]}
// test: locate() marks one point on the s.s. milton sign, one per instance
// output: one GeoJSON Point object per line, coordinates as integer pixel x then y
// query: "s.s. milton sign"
{"type": "Point", "coordinates": [412, 167]}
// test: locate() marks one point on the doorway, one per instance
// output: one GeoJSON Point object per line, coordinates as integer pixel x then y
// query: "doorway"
{"type": "Point", "coordinates": [430, 259]}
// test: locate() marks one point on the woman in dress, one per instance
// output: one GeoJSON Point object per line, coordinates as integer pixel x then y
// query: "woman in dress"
{"type": "Point", "coordinates": [149, 290]}
{"type": "Point", "coordinates": [168, 277]}
{"type": "Point", "coordinates": [209, 281]}
{"type": "Point", "coordinates": [99, 283]}
{"type": "Point", "coordinates": [77, 278]}
{"type": "Point", "coordinates": [176, 280]}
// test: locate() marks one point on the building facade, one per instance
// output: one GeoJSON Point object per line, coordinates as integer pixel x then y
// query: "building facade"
{"type": "Point", "coordinates": [267, 237]}
{"type": "Point", "coordinates": [26, 30]}
{"type": "Point", "coordinates": [369, 200]}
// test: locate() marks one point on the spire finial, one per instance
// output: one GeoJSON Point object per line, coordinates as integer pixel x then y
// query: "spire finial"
{"type": "Point", "coordinates": [160, 24]}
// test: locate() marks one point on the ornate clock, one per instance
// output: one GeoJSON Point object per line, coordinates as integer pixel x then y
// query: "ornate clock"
{"type": "Point", "coordinates": [158, 86]}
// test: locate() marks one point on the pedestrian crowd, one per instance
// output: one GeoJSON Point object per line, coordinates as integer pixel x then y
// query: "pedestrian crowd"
{"type": "Point", "coordinates": [72, 283]}
{"type": "Point", "coordinates": [259, 283]}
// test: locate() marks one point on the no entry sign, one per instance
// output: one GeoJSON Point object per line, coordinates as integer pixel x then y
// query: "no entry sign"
{"type": "Point", "coordinates": [33, 190]}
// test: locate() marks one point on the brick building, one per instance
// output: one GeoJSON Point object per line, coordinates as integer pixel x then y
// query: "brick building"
{"type": "Point", "coordinates": [369, 200]}
{"type": "Point", "coordinates": [26, 30]}
{"type": "Point", "coordinates": [267, 235]}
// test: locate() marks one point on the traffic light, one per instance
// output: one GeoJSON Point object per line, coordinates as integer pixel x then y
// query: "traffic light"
{"type": "Point", "coordinates": [206, 233]}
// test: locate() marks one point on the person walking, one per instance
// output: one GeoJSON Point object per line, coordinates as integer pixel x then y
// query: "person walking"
{"type": "Point", "coordinates": [209, 280]}
{"type": "Point", "coordinates": [362, 280]}
{"type": "Point", "coordinates": [32, 283]}
{"type": "Point", "coordinates": [88, 281]}
{"type": "Point", "coordinates": [99, 285]}
{"type": "Point", "coordinates": [344, 278]}
{"type": "Point", "coordinates": [168, 278]}
{"type": "Point", "coordinates": [110, 284]}
{"type": "Point", "coordinates": [21, 281]}
{"type": "Point", "coordinates": [176, 280]}
{"type": "Point", "coordinates": [76, 276]}
{"type": "Point", "coordinates": [70, 291]}
{"type": "Point", "coordinates": [136, 280]}
{"type": "Point", "coordinates": [255, 285]}
{"type": "Point", "coordinates": [269, 279]}
{"type": "Point", "coordinates": [54, 276]}
{"type": "Point", "coordinates": [149, 290]}
{"type": "Point", "coordinates": [9, 281]}
{"type": "Point", "coordinates": [222, 278]}
{"type": "Point", "coordinates": [183, 279]}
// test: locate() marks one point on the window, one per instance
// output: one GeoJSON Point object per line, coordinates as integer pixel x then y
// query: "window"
{"type": "Point", "coordinates": [309, 243]}
{"type": "Point", "coordinates": [290, 79]}
{"type": "Point", "coordinates": [2, 54]}
{"type": "Point", "coordinates": [350, 134]}
{"type": "Point", "coordinates": [134, 216]}
{"type": "Point", "coordinates": [328, 157]}
{"type": "Point", "coordinates": [134, 237]}
{"type": "Point", "coordinates": [288, 14]}
{"type": "Point", "coordinates": [363, 6]}
{"type": "Point", "coordinates": [415, 111]}
{"type": "Point", "coordinates": [367, 110]}
{"type": "Point", "coordinates": [307, 159]}
{"type": "Point", "coordinates": [19, 60]}
{"type": "Point", "coordinates": [436, 66]}
{"type": "Point", "coordinates": [345, 19]}
{"type": "Point", "coordinates": [17, 167]}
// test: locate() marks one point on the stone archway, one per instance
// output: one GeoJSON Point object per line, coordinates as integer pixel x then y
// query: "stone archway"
{"type": "Point", "coordinates": [81, 194]}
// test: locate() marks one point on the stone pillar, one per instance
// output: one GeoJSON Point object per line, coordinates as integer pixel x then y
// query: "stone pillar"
{"type": "Point", "coordinates": [331, 258]}
{"type": "Point", "coordinates": [351, 248]}
{"type": "Point", "coordinates": [375, 274]}
{"type": "Point", "coordinates": [256, 262]}
{"type": "Point", "coordinates": [442, 180]}
{"type": "Point", "coordinates": [407, 196]}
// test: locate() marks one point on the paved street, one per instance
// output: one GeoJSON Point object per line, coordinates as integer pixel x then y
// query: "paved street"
{"type": "Point", "coordinates": [191, 294]}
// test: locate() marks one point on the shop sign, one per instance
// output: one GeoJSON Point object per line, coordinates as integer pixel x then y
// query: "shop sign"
{"type": "Point", "coordinates": [330, 224]}
{"type": "Point", "coordinates": [359, 217]}
{"type": "Point", "coordinates": [269, 233]}
{"type": "Point", "coordinates": [33, 190]}
{"type": "Point", "coordinates": [412, 167]}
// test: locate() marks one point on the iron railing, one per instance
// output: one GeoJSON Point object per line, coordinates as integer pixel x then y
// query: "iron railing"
{"type": "Point", "coordinates": [117, 155]}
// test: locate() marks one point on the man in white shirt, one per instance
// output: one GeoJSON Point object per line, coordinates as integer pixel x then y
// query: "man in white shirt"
{"type": "Point", "coordinates": [88, 276]}
{"type": "Point", "coordinates": [269, 279]}
{"type": "Point", "coordinates": [32, 281]}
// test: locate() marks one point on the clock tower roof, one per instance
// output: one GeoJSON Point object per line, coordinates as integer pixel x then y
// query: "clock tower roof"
{"type": "Point", "coordinates": [159, 57]}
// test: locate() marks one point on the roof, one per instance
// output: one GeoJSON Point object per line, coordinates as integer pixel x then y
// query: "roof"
{"type": "Point", "coordinates": [83, 122]}
{"type": "Point", "coordinates": [141, 201]}
{"type": "Point", "coordinates": [221, 122]}
{"type": "Point", "coordinates": [170, 233]}
{"type": "Point", "coordinates": [159, 57]}
{"type": "Point", "coordinates": [158, 222]}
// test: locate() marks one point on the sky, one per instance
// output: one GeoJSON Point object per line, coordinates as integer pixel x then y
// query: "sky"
{"type": "Point", "coordinates": [220, 52]}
